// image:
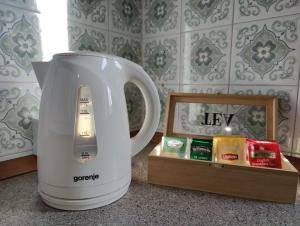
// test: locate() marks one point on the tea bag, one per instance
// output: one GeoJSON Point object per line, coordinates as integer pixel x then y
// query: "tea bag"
{"type": "Point", "coordinates": [263, 153]}
{"type": "Point", "coordinates": [230, 149]}
{"type": "Point", "coordinates": [201, 149]}
{"type": "Point", "coordinates": [174, 145]}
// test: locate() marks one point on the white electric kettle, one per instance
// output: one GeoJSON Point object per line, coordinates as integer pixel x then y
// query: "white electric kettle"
{"type": "Point", "coordinates": [84, 146]}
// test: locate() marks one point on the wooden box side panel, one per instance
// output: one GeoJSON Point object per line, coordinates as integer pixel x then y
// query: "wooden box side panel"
{"type": "Point", "coordinates": [280, 186]}
{"type": "Point", "coordinates": [18, 166]}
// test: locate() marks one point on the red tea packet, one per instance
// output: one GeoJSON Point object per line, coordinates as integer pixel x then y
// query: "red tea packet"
{"type": "Point", "coordinates": [263, 153]}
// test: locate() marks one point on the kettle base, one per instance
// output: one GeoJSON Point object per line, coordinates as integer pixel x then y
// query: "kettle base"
{"type": "Point", "coordinates": [83, 204]}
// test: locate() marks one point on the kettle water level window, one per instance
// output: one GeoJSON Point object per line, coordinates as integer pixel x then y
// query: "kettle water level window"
{"type": "Point", "coordinates": [85, 141]}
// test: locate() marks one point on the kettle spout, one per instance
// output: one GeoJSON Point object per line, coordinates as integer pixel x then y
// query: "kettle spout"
{"type": "Point", "coordinates": [40, 68]}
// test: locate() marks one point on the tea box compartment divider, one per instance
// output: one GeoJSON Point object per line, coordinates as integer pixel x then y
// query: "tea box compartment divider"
{"type": "Point", "coordinates": [268, 184]}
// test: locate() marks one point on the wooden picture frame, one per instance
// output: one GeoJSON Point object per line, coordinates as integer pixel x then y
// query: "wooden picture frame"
{"type": "Point", "coordinates": [270, 103]}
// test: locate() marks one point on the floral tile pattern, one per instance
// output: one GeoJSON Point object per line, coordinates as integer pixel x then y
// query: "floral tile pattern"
{"type": "Point", "coordinates": [249, 121]}
{"type": "Point", "coordinates": [206, 56]}
{"type": "Point", "coordinates": [161, 17]}
{"type": "Point", "coordinates": [266, 52]}
{"type": "Point", "coordinates": [85, 38]}
{"type": "Point", "coordinates": [126, 47]}
{"type": "Point", "coordinates": [163, 92]}
{"type": "Point", "coordinates": [19, 104]}
{"type": "Point", "coordinates": [91, 12]}
{"type": "Point", "coordinates": [204, 89]}
{"type": "Point", "coordinates": [161, 59]}
{"type": "Point", "coordinates": [296, 138]}
{"type": "Point", "coordinates": [189, 116]}
{"type": "Point", "coordinates": [286, 110]}
{"type": "Point", "coordinates": [197, 14]}
{"type": "Point", "coordinates": [126, 16]}
{"type": "Point", "coordinates": [24, 4]}
{"type": "Point", "coordinates": [135, 106]}
{"type": "Point", "coordinates": [247, 10]}
{"type": "Point", "coordinates": [19, 44]}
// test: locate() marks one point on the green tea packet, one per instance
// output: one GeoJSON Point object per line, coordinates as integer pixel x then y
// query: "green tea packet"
{"type": "Point", "coordinates": [176, 145]}
{"type": "Point", "coordinates": [201, 149]}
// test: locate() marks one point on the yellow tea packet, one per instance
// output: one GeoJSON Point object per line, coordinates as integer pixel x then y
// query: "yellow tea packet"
{"type": "Point", "coordinates": [230, 149]}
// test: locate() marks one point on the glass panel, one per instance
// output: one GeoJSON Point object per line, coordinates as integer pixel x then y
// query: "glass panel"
{"type": "Point", "coordinates": [211, 119]}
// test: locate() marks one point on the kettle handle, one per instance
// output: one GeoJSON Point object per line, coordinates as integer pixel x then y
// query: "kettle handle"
{"type": "Point", "coordinates": [142, 80]}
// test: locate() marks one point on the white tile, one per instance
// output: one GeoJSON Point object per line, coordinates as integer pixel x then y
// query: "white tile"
{"type": "Point", "coordinates": [94, 13]}
{"type": "Point", "coordinates": [161, 59]}
{"type": "Point", "coordinates": [204, 89]}
{"type": "Point", "coordinates": [266, 52]}
{"type": "Point", "coordinates": [163, 92]}
{"type": "Point", "coordinates": [19, 104]}
{"type": "Point", "coordinates": [87, 38]}
{"type": "Point", "coordinates": [23, 4]}
{"type": "Point", "coordinates": [206, 14]}
{"type": "Point", "coordinates": [135, 106]}
{"type": "Point", "coordinates": [206, 56]}
{"type": "Point", "coordinates": [126, 47]}
{"type": "Point", "coordinates": [161, 17]}
{"type": "Point", "coordinates": [126, 17]}
{"type": "Point", "coordinates": [286, 109]}
{"type": "Point", "coordinates": [296, 140]}
{"type": "Point", "coordinates": [190, 116]}
{"type": "Point", "coordinates": [249, 10]}
{"type": "Point", "coordinates": [20, 43]}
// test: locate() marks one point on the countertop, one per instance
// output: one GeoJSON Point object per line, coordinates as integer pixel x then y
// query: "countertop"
{"type": "Point", "coordinates": [144, 204]}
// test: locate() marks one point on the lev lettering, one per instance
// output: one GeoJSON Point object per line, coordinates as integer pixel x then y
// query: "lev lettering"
{"type": "Point", "coordinates": [216, 119]}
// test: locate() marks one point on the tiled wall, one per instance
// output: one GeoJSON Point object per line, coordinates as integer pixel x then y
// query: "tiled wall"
{"type": "Point", "coordinates": [110, 26]}
{"type": "Point", "coordinates": [101, 25]}
{"type": "Point", "coordinates": [227, 46]}
{"type": "Point", "coordinates": [241, 46]}
{"type": "Point", "coordinates": [19, 92]}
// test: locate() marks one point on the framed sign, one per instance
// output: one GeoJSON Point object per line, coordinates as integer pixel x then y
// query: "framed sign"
{"type": "Point", "coordinates": [205, 115]}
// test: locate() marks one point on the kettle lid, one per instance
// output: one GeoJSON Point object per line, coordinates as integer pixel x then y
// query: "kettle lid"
{"type": "Point", "coordinates": [84, 53]}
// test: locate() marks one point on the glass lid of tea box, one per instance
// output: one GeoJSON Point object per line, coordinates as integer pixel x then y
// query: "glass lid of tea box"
{"type": "Point", "coordinates": [222, 115]}
{"type": "Point", "coordinates": [211, 119]}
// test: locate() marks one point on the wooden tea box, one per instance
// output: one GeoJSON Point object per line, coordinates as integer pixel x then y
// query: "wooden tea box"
{"type": "Point", "coordinates": [269, 184]}
{"type": "Point", "coordinates": [278, 185]}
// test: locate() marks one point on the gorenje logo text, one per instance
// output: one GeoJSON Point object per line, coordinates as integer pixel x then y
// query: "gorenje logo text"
{"type": "Point", "coordinates": [90, 177]}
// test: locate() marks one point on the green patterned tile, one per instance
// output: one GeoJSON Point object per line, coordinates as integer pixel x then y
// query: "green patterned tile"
{"type": "Point", "coordinates": [163, 92]}
{"type": "Point", "coordinates": [266, 52]}
{"type": "Point", "coordinates": [135, 106]}
{"type": "Point", "coordinates": [161, 17]}
{"type": "Point", "coordinates": [296, 138]}
{"type": "Point", "coordinates": [204, 89]}
{"type": "Point", "coordinates": [161, 57]}
{"type": "Point", "coordinates": [86, 38]}
{"type": "Point", "coordinates": [19, 44]}
{"type": "Point", "coordinates": [125, 16]}
{"type": "Point", "coordinates": [198, 14]}
{"type": "Point", "coordinates": [19, 104]}
{"type": "Point", "coordinates": [248, 10]}
{"type": "Point", "coordinates": [206, 56]}
{"type": "Point", "coordinates": [188, 115]}
{"type": "Point", "coordinates": [286, 109]}
{"type": "Point", "coordinates": [92, 12]}
{"type": "Point", "coordinates": [126, 47]}
{"type": "Point", "coordinates": [23, 4]}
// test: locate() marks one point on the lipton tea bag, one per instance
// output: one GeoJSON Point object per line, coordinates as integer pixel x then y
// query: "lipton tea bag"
{"type": "Point", "coordinates": [230, 149]}
{"type": "Point", "coordinates": [174, 145]}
